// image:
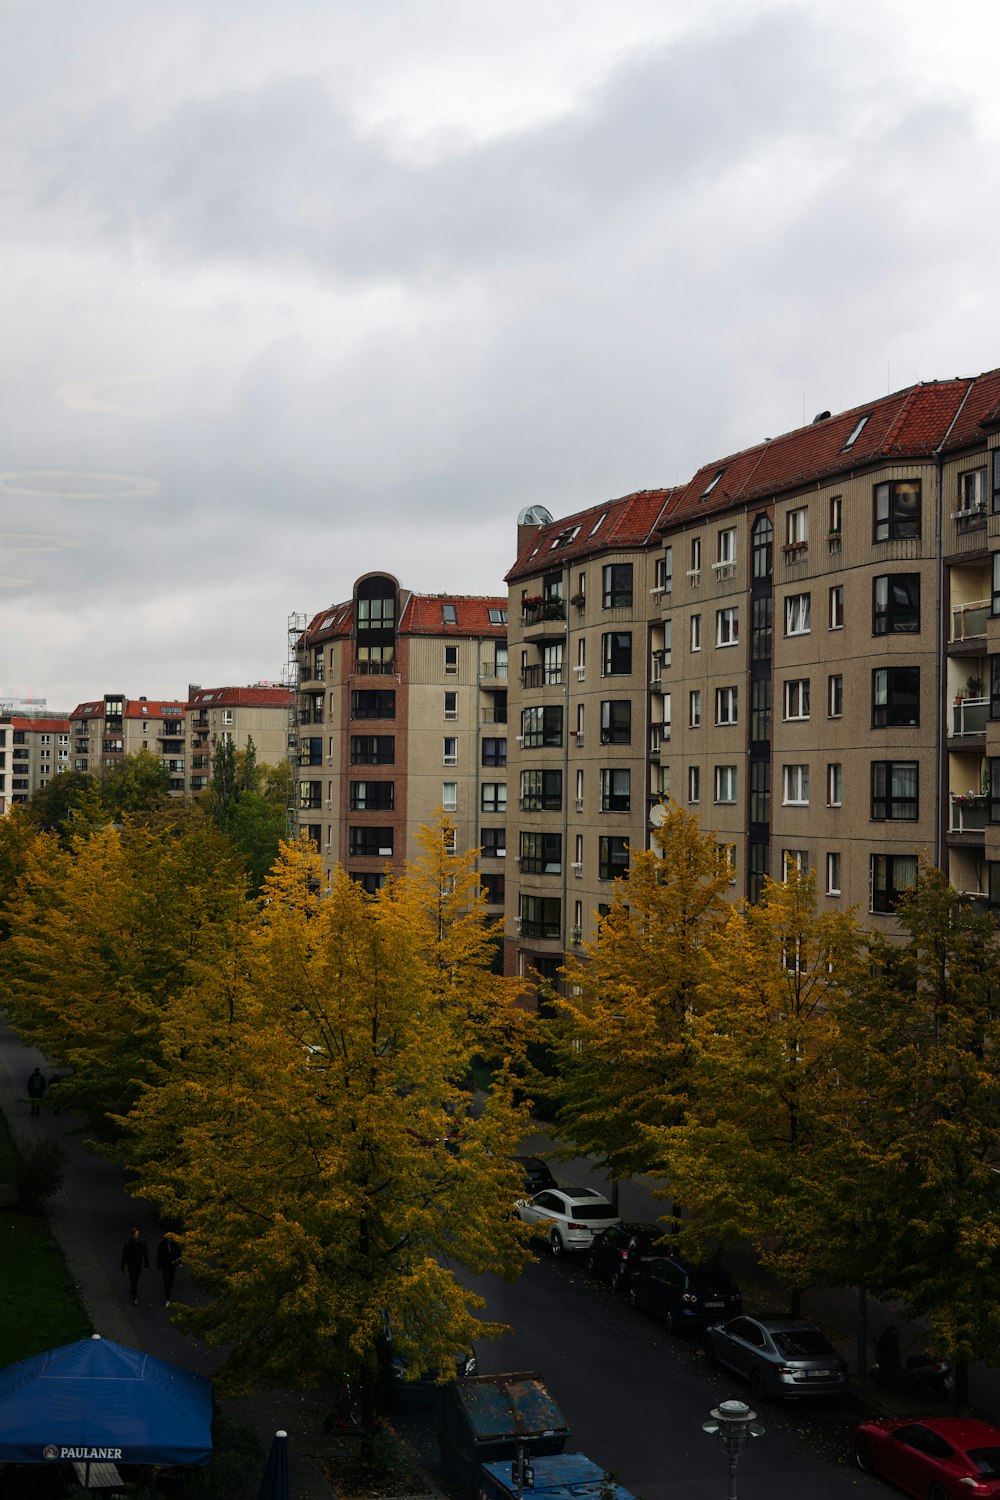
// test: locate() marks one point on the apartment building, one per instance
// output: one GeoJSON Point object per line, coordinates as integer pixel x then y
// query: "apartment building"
{"type": "Point", "coordinates": [402, 710]}
{"type": "Point", "coordinates": [812, 665]}
{"type": "Point", "coordinates": [34, 747]}
{"type": "Point", "coordinates": [263, 713]}
{"type": "Point", "coordinates": [107, 729]}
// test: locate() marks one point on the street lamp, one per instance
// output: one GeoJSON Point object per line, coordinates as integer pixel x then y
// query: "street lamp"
{"type": "Point", "coordinates": [735, 1424]}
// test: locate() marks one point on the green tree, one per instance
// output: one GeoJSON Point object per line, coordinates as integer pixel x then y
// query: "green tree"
{"type": "Point", "coordinates": [243, 800]}
{"type": "Point", "coordinates": [621, 1042]}
{"type": "Point", "coordinates": [755, 1158]}
{"type": "Point", "coordinates": [311, 1126]}
{"type": "Point", "coordinates": [70, 801]}
{"type": "Point", "coordinates": [138, 784]}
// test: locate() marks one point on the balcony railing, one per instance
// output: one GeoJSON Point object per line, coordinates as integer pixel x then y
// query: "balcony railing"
{"type": "Point", "coordinates": [536, 610]}
{"type": "Point", "coordinates": [968, 621]}
{"type": "Point", "coordinates": [541, 676]}
{"type": "Point", "coordinates": [368, 668]}
{"type": "Point", "coordinates": [970, 716]}
{"type": "Point", "coordinates": [970, 517]}
{"type": "Point", "coordinates": [968, 812]}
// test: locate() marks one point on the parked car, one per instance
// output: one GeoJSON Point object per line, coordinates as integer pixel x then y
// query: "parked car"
{"type": "Point", "coordinates": [617, 1250]}
{"type": "Point", "coordinates": [938, 1458]}
{"type": "Point", "coordinates": [684, 1296]}
{"type": "Point", "coordinates": [537, 1175]}
{"type": "Point", "coordinates": [568, 1218]}
{"type": "Point", "coordinates": [779, 1356]}
{"type": "Point", "coordinates": [394, 1367]}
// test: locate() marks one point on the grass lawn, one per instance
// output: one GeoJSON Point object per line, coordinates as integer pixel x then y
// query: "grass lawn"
{"type": "Point", "coordinates": [39, 1308]}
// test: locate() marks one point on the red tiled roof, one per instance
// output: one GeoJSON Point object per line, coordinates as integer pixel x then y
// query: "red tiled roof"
{"type": "Point", "coordinates": [422, 615]}
{"type": "Point", "coordinates": [244, 697]}
{"type": "Point", "coordinates": [46, 726]}
{"type": "Point", "coordinates": [630, 521]}
{"type": "Point", "coordinates": [135, 708]}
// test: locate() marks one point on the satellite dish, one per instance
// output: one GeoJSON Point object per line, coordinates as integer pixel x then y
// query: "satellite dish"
{"type": "Point", "coordinates": [657, 815]}
{"type": "Point", "coordinates": [534, 515]}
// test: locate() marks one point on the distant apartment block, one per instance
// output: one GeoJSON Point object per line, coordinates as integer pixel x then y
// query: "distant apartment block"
{"type": "Point", "coordinates": [107, 729]}
{"type": "Point", "coordinates": [263, 713]}
{"type": "Point", "coordinates": [33, 748]}
{"type": "Point", "coordinates": [402, 710]}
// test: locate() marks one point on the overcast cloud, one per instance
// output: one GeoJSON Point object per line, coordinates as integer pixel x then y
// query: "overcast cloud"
{"type": "Point", "coordinates": [291, 292]}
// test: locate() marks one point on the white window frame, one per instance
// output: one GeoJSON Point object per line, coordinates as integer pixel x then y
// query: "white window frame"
{"type": "Point", "coordinates": [797, 528]}
{"type": "Point", "coordinates": [833, 877]}
{"type": "Point", "coordinates": [797, 700]}
{"type": "Point", "coordinates": [725, 784]}
{"type": "Point", "coordinates": [795, 785]}
{"type": "Point", "coordinates": [727, 625]}
{"type": "Point", "coordinates": [696, 632]}
{"type": "Point", "coordinates": [694, 708]}
{"type": "Point", "coordinates": [836, 607]}
{"type": "Point", "coordinates": [797, 859]}
{"type": "Point", "coordinates": [835, 696]}
{"type": "Point", "coordinates": [450, 755]}
{"type": "Point", "coordinates": [798, 614]}
{"type": "Point", "coordinates": [834, 784]}
{"type": "Point", "coordinates": [449, 796]}
{"type": "Point", "coordinates": [726, 706]}
{"type": "Point", "coordinates": [452, 711]}
{"type": "Point", "coordinates": [694, 784]}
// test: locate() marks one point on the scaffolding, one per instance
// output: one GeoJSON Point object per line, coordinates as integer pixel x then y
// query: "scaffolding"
{"type": "Point", "coordinates": [290, 679]}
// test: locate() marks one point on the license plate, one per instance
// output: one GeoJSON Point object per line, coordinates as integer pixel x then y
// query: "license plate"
{"type": "Point", "coordinates": [821, 1374]}
{"type": "Point", "coordinates": [715, 1304]}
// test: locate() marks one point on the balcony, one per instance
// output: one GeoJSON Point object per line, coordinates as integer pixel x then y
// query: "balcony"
{"type": "Point", "coordinates": [969, 716]}
{"type": "Point", "coordinates": [368, 668]}
{"type": "Point", "coordinates": [542, 676]}
{"type": "Point", "coordinates": [968, 621]}
{"type": "Point", "coordinates": [538, 609]}
{"type": "Point", "coordinates": [969, 812]}
{"type": "Point", "coordinates": [495, 671]}
{"type": "Point", "coordinates": [970, 518]}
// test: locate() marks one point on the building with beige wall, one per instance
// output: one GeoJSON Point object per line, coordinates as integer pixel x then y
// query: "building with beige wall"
{"type": "Point", "coordinates": [34, 747]}
{"type": "Point", "coordinates": [106, 730]}
{"type": "Point", "coordinates": [264, 713]}
{"type": "Point", "coordinates": [402, 710]}
{"type": "Point", "coordinates": [814, 665]}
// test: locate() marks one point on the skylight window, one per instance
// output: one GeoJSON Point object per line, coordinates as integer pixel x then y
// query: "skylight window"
{"type": "Point", "coordinates": [328, 621]}
{"type": "Point", "coordinates": [498, 617]}
{"type": "Point", "coordinates": [856, 433]}
{"type": "Point", "coordinates": [713, 482]}
{"type": "Point", "coordinates": [449, 614]}
{"type": "Point", "coordinates": [565, 537]}
{"type": "Point", "coordinates": [599, 522]}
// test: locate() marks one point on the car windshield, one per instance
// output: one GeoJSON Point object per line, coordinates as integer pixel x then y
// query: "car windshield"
{"type": "Point", "coordinates": [592, 1211]}
{"type": "Point", "coordinates": [986, 1460]}
{"type": "Point", "coordinates": [800, 1343]}
{"type": "Point", "coordinates": [712, 1281]}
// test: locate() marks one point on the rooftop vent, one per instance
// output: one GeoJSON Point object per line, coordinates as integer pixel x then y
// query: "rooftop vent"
{"type": "Point", "coordinates": [821, 416]}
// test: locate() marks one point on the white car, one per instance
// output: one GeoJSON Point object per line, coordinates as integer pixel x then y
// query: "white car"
{"type": "Point", "coordinates": [568, 1217]}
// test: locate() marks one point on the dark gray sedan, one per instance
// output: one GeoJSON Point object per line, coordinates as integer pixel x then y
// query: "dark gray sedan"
{"type": "Point", "coordinates": [783, 1357]}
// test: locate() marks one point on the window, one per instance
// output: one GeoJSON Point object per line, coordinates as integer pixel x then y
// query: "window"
{"type": "Point", "coordinates": [581, 658]}
{"type": "Point", "coordinates": [694, 572]}
{"type": "Point", "coordinates": [616, 653]}
{"type": "Point", "coordinates": [694, 784]}
{"type": "Point", "coordinates": [995, 597]}
{"type": "Point", "coordinates": [833, 874]}
{"type": "Point", "coordinates": [795, 786]}
{"type": "Point", "coordinates": [448, 614]}
{"type": "Point", "coordinates": [762, 547]}
{"type": "Point", "coordinates": [493, 796]}
{"type": "Point", "coordinates": [449, 796]}
{"type": "Point", "coordinates": [836, 530]}
{"type": "Point", "coordinates": [542, 726]}
{"type": "Point", "coordinates": [540, 916]}
{"type": "Point", "coordinates": [837, 607]}
{"type": "Point", "coordinates": [895, 697]}
{"type": "Point", "coordinates": [712, 482]}
{"type": "Point", "coordinates": [972, 492]}
{"type": "Point", "coordinates": [797, 698]}
{"type": "Point", "coordinates": [667, 653]}
{"type": "Point", "coordinates": [373, 749]}
{"type": "Point", "coordinates": [375, 613]}
{"type": "Point", "coordinates": [894, 791]}
{"type": "Point", "coordinates": [370, 843]}
{"type": "Point", "coordinates": [835, 696]}
{"type": "Point", "coordinates": [896, 604]}
{"type": "Point", "coordinates": [761, 615]}
{"type": "Point", "coordinates": [541, 854]}
{"type": "Point", "coordinates": [856, 432]}
{"type": "Point", "coordinates": [726, 547]}
{"type": "Point", "coordinates": [541, 791]}
{"type": "Point", "coordinates": [726, 705]}
{"type": "Point", "coordinates": [760, 709]}
{"type": "Point", "coordinates": [612, 858]}
{"type": "Point", "coordinates": [451, 658]}
{"type": "Point", "coordinates": [995, 503]}
{"type": "Point", "coordinates": [694, 708]}
{"type": "Point", "coordinates": [451, 705]}
{"type": "Point", "coordinates": [310, 795]}
{"type": "Point", "coordinates": [368, 704]}
{"type": "Point", "coordinates": [616, 789]}
{"type": "Point", "coordinates": [725, 784]}
{"type": "Point", "coordinates": [668, 569]}
{"type": "Point", "coordinates": [450, 750]}
{"type": "Point", "coordinates": [492, 888]}
{"type": "Point", "coordinates": [727, 626]}
{"type": "Point", "coordinates": [493, 842]}
{"type": "Point", "coordinates": [834, 784]}
{"type": "Point", "coordinates": [891, 875]}
{"type": "Point", "coordinates": [580, 722]}
{"type": "Point", "coordinates": [579, 791]}
{"type": "Point", "coordinates": [896, 510]}
{"type": "Point", "coordinates": [494, 752]}
{"type": "Point", "coordinates": [793, 860]}
{"type": "Point", "coordinates": [616, 721]}
{"type": "Point", "coordinates": [370, 796]}
{"type": "Point", "coordinates": [375, 660]}
{"type": "Point", "coordinates": [616, 585]}
{"type": "Point", "coordinates": [227, 718]}
{"type": "Point", "coordinates": [311, 751]}
{"type": "Point", "coordinates": [797, 533]}
{"type": "Point", "coordinates": [497, 616]}
{"type": "Point", "coordinates": [696, 632]}
{"type": "Point", "coordinates": [797, 612]}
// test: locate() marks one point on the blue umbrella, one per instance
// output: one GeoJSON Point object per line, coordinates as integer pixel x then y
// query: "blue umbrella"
{"type": "Point", "coordinates": [275, 1485]}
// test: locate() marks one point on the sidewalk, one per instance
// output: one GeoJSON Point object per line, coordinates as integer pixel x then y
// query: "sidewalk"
{"type": "Point", "coordinates": [90, 1218]}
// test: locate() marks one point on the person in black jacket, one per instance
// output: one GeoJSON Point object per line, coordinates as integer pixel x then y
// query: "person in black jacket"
{"type": "Point", "coordinates": [135, 1255]}
{"type": "Point", "coordinates": [168, 1253]}
{"type": "Point", "coordinates": [36, 1090]}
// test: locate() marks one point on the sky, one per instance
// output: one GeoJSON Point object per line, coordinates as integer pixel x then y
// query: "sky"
{"type": "Point", "coordinates": [292, 291]}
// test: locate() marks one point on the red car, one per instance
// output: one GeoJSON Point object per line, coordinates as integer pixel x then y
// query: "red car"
{"type": "Point", "coordinates": [939, 1458]}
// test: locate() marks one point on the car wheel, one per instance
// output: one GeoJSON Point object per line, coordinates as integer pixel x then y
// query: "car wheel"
{"type": "Point", "coordinates": [863, 1456]}
{"type": "Point", "coordinates": [617, 1281]}
{"type": "Point", "coordinates": [556, 1241]}
{"type": "Point", "coordinates": [937, 1493]}
{"type": "Point", "coordinates": [591, 1266]}
{"type": "Point", "coordinates": [757, 1390]}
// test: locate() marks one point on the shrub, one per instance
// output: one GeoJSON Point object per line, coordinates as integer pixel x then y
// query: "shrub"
{"type": "Point", "coordinates": [39, 1169]}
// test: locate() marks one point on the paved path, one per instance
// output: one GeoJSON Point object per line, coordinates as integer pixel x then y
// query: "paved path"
{"type": "Point", "coordinates": [90, 1219]}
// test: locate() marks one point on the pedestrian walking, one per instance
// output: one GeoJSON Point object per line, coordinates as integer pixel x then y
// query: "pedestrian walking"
{"type": "Point", "coordinates": [36, 1090]}
{"type": "Point", "coordinates": [135, 1256]}
{"type": "Point", "coordinates": [168, 1253]}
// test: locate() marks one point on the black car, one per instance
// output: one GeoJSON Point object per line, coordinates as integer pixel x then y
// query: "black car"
{"type": "Point", "coordinates": [537, 1176]}
{"type": "Point", "coordinates": [684, 1296]}
{"type": "Point", "coordinates": [617, 1251]}
{"type": "Point", "coordinates": [397, 1389]}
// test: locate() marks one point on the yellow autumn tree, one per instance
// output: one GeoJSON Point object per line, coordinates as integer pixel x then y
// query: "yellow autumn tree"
{"type": "Point", "coordinates": [755, 1158]}
{"type": "Point", "coordinates": [621, 1041]}
{"type": "Point", "coordinates": [310, 1125]}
